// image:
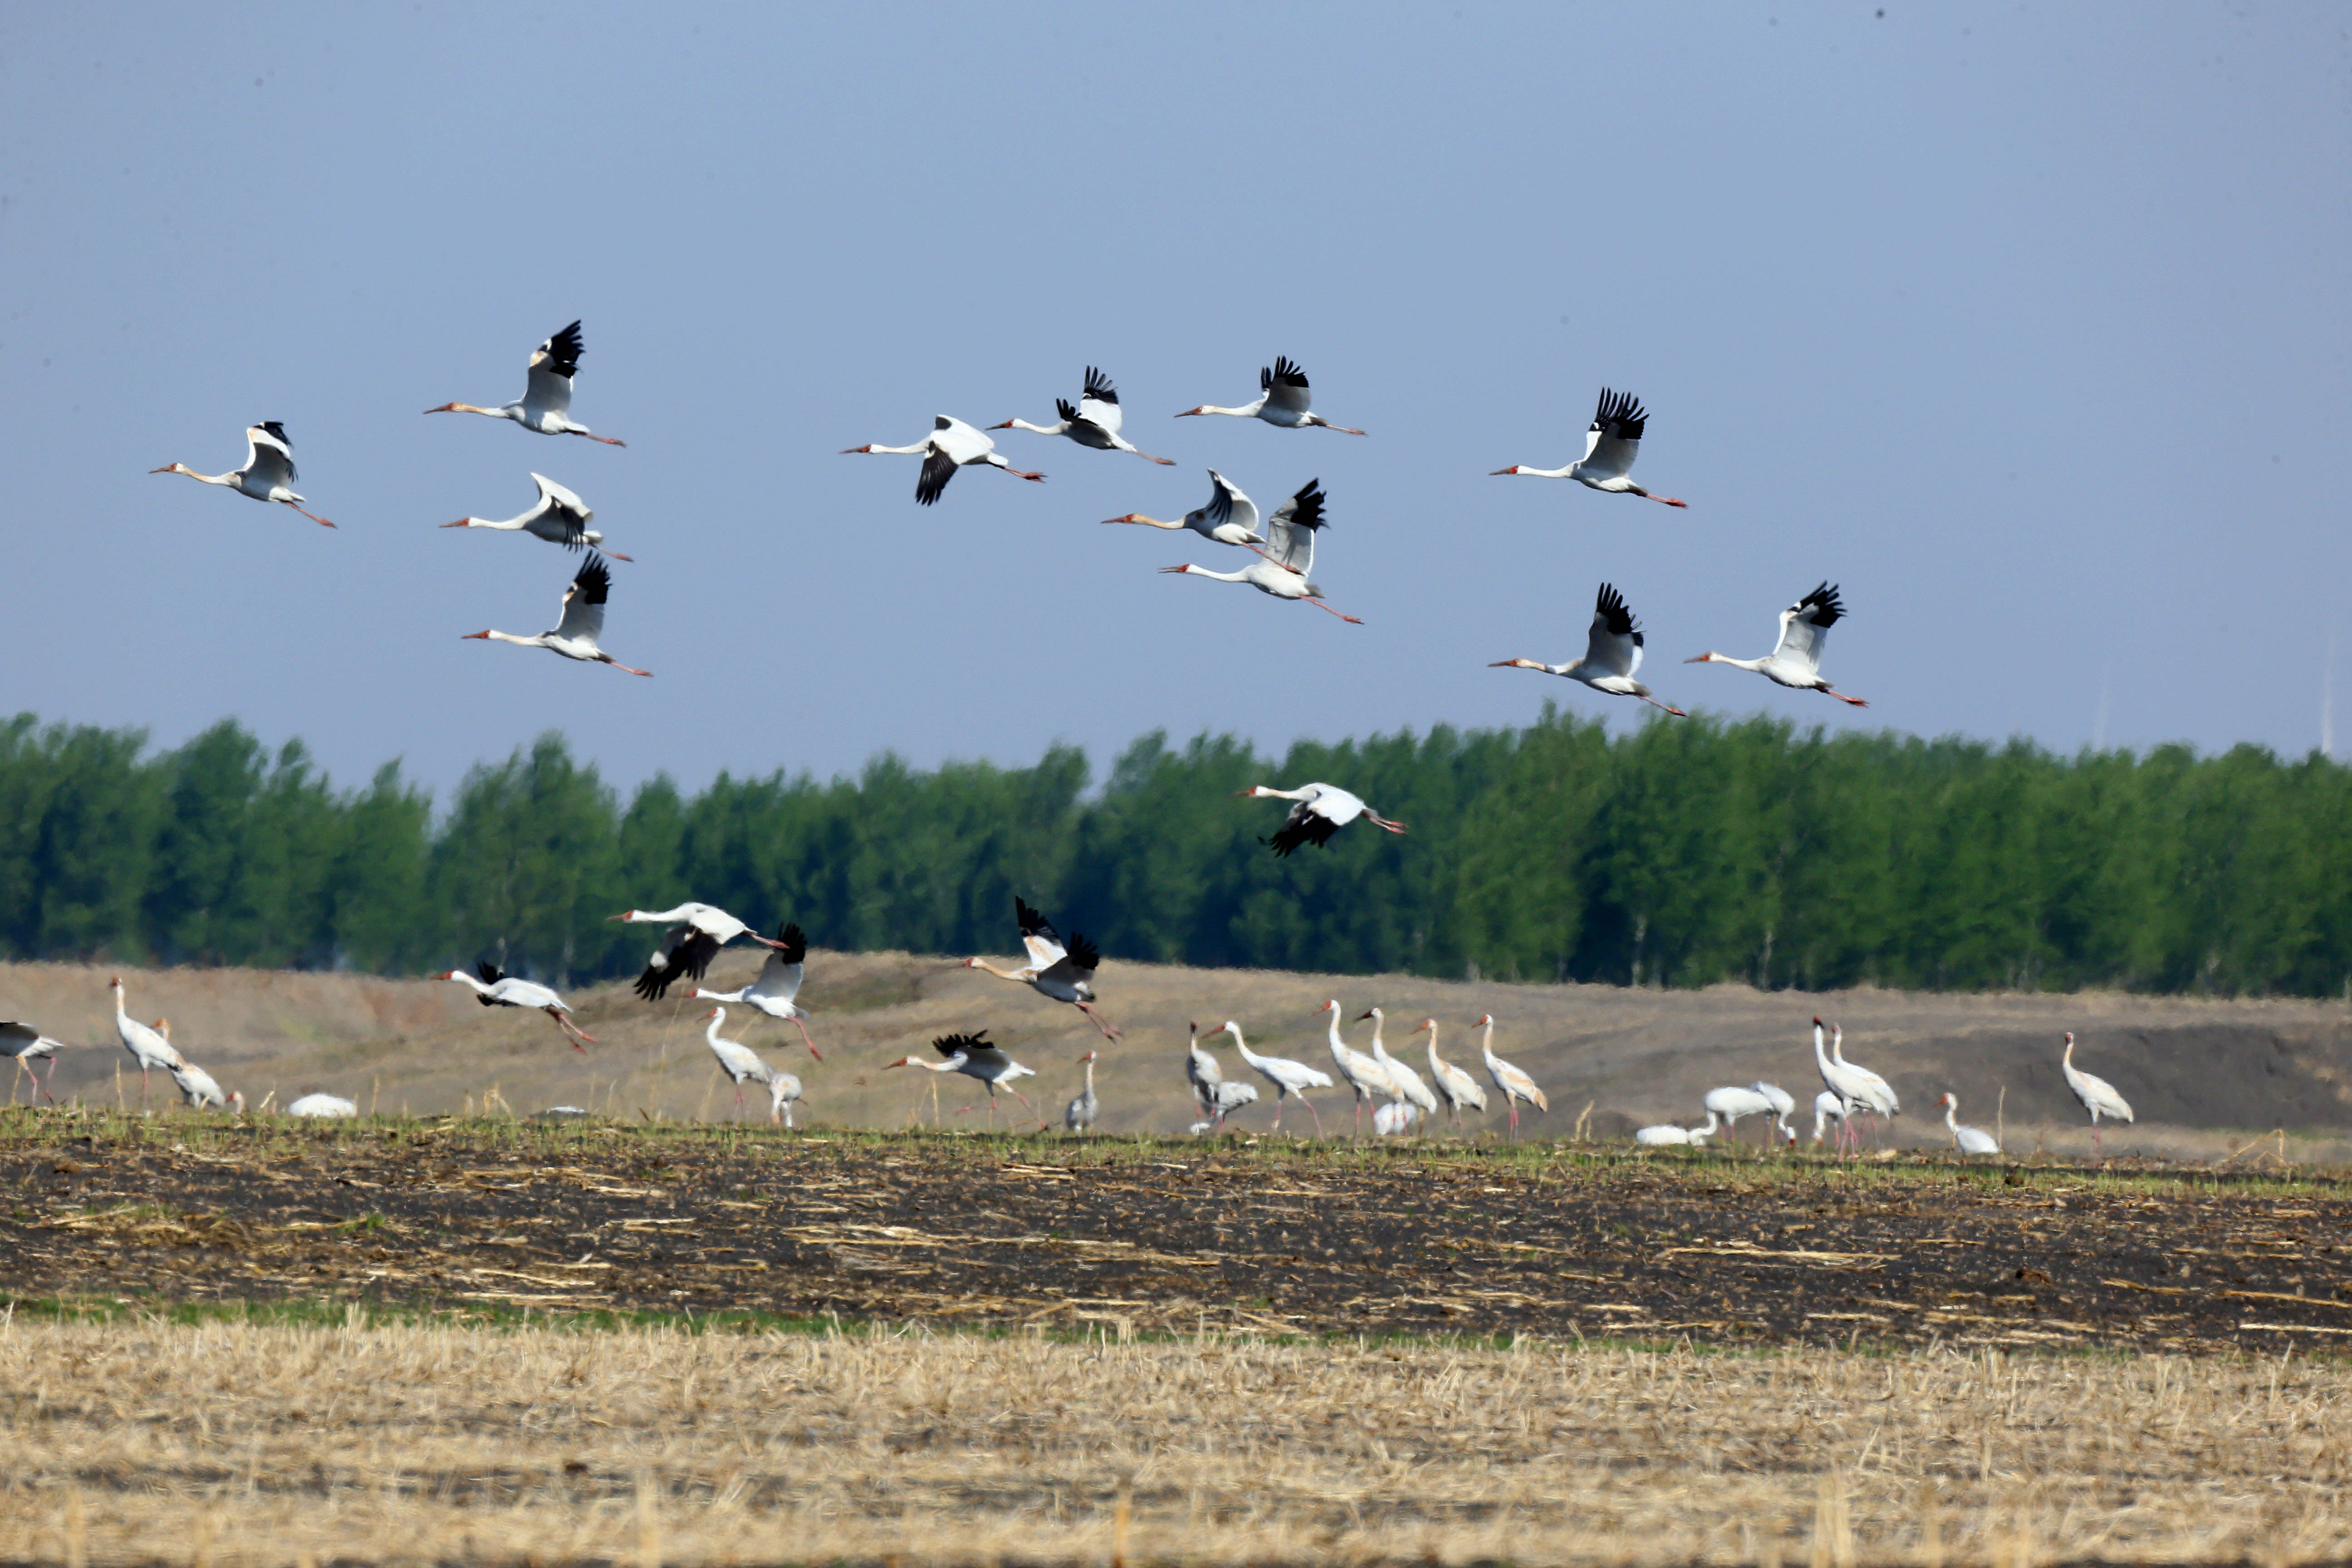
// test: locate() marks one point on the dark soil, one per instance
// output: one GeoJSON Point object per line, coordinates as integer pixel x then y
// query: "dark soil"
{"type": "Point", "coordinates": [1147, 1237]}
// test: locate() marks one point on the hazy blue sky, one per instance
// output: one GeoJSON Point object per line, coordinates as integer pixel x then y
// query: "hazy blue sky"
{"type": "Point", "coordinates": [2026, 323]}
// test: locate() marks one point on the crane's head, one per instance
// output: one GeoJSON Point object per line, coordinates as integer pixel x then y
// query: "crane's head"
{"type": "Point", "coordinates": [1372, 1013]}
{"type": "Point", "coordinates": [715, 1013]}
{"type": "Point", "coordinates": [1089, 1056]}
{"type": "Point", "coordinates": [1483, 1020]}
{"type": "Point", "coordinates": [1424, 1024]}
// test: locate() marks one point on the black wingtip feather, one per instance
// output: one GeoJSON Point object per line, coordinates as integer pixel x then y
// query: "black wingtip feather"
{"type": "Point", "coordinates": [562, 351]}
{"type": "Point", "coordinates": [949, 1045]}
{"type": "Point", "coordinates": [1032, 921]}
{"type": "Point", "coordinates": [1308, 828]}
{"type": "Point", "coordinates": [1285, 371]}
{"type": "Point", "coordinates": [593, 580]}
{"type": "Point", "coordinates": [795, 943]}
{"type": "Point", "coordinates": [276, 428]}
{"type": "Point", "coordinates": [1099, 387]}
{"type": "Point", "coordinates": [1083, 954]}
{"type": "Point", "coordinates": [937, 470]}
{"type": "Point", "coordinates": [1306, 506]}
{"type": "Point", "coordinates": [1067, 409]}
{"type": "Point", "coordinates": [1620, 414]}
{"type": "Point", "coordinates": [1823, 606]}
{"type": "Point", "coordinates": [1611, 605]}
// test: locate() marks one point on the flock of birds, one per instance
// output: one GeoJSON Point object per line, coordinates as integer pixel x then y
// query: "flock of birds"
{"type": "Point", "coordinates": [1282, 541]}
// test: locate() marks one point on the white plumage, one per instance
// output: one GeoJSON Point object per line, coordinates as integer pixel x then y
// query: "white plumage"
{"type": "Point", "coordinates": [1093, 422]}
{"type": "Point", "coordinates": [545, 405]}
{"type": "Point", "coordinates": [269, 472]}
{"type": "Point", "coordinates": [2097, 1095]}
{"type": "Point", "coordinates": [322, 1105]}
{"type": "Point", "coordinates": [1287, 562]}
{"type": "Point", "coordinates": [1229, 518]}
{"type": "Point", "coordinates": [1509, 1081]}
{"type": "Point", "coordinates": [559, 517]}
{"type": "Point", "coordinates": [952, 444]}
{"type": "Point", "coordinates": [1287, 1077]}
{"type": "Point", "coordinates": [1795, 660]}
{"type": "Point", "coordinates": [575, 635]}
{"type": "Point", "coordinates": [1282, 400]}
{"type": "Point", "coordinates": [1612, 653]}
{"type": "Point", "coordinates": [1969, 1140]}
{"type": "Point", "coordinates": [1611, 445]}
{"type": "Point", "coordinates": [1321, 811]}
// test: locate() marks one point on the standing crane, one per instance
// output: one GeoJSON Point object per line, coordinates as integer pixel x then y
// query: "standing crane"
{"type": "Point", "coordinates": [1093, 423]}
{"type": "Point", "coordinates": [1362, 1073]}
{"type": "Point", "coordinates": [779, 980]}
{"type": "Point", "coordinates": [1064, 973]}
{"type": "Point", "coordinates": [559, 517]}
{"type": "Point", "coordinates": [269, 472]}
{"type": "Point", "coordinates": [1282, 400]}
{"type": "Point", "coordinates": [149, 1049]}
{"type": "Point", "coordinates": [1796, 660]}
{"type": "Point", "coordinates": [1611, 445]}
{"type": "Point", "coordinates": [1731, 1103]}
{"type": "Point", "coordinates": [1409, 1087]}
{"type": "Point", "coordinates": [783, 1093]}
{"type": "Point", "coordinates": [1841, 1078]}
{"type": "Point", "coordinates": [952, 444]}
{"type": "Point", "coordinates": [497, 988]}
{"type": "Point", "coordinates": [1967, 1140]}
{"type": "Point", "coordinates": [23, 1043]}
{"type": "Point", "coordinates": [1288, 552]}
{"type": "Point", "coordinates": [1877, 1094]}
{"type": "Point", "coordinates": [575, 635]}
{"type": "Point", "coordinates": [1288, 1078]}
{"type": "Point", "coordinates": [1612, 654]}
{"type": "Point", "coordinates": [1509, 1081]}
{"type": "Point", "coordinates": [1458, 1088]}
{"type": "Point", "coordinates": [736, 1059]}
{"type": "Point", "coordinates": [972, 1056]}
{"type": "Point", "coordinates": [2097, 1095]}
{"type": "Point", "coordinates": [1079, 1116]}
{"type": "Point", "coordinates": [697, 932]}
{"type": "Point", "coordinates": [1322, 810]}
{"type": "Point", "coordinates": [545, 404]}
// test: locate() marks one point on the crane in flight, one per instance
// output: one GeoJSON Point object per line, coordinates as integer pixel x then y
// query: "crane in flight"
{"type": "Point", "coordinates": [779, 980]}
{"type": "Point", "coordinates": [1612, 654]}
{"type": "Point", "coordinates": [1322, 810]}
{"type": "Point", "coordinates": [972, 1056]}
{"type": "Point", "coordinates": [695, 934]}
{"type": "Point", "coordinates": [559, 517]}
{"type": "Point", "coordinates": [1093, 423]}
{"type": "Point", "coordinates": [1282, 400]}
{"type": "Point", "coordinates": [545, 404]}
{"type": "Point", "coordinates": [1288, 553]}
{"type": "Point", "coordinates": [1610, 446]}
{"type": "Point", "coordinates": [269, 472]}
{"type": "Point", "coordinates": [1064, 973]}
{"type": "Point", "coordinates": [1795, 660]}
{"type": "Point", "coordinates": [575, 635]}
{"type": "Point", "coordinates": [1228, 518]}
{"type": "Point", "coordinates": [497, 988]}
{"type": "Point", "coordinates": [952, 444]}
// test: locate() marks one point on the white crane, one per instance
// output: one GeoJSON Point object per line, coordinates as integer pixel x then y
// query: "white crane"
{"type": "Point", "coordinates": [497, 988]}
{"type": "Point", "coordinates": [1287, 1077]}
{"type": "Point", "coordinates": [1201, 1070]}
{"type": "Point", "coordinates": [575, 635]}
{"type": "Point", "coordinates": [1360, 1072]}
{"type": "Point", "coordinates": [736, 1059]}
{"type": "Point", "coordinates": [1796, 660]}
{"type": "Point", "coordinates": [1288, 553]}
{"type": "Point", "coordinates": [1612, 654]}
{"type": "Point", "coordinates": [1282, 400]}
{"type": "Point", "coordinates": [1064, 973]}
{"type": "Point", "coordinates": [1229, 518]}
{"type": "Point", "coordinates": [1079, 1116]}
{"type": "Point", "coordinates": [952, 444]}
{"type": "Point", "coordinates": [1826, 1104]}
{"type": "Point", "coordinates": [24, 1044]}
{"type": "Point", "coordinates": [1668, 1134]}
{"type": "Point", "coordinates": [1784, 1106]}
{"type": "Point", "coordinates": [1223, 1098]}
{"type": "Point", "coordinates": [1841, 1078]}
{"type": "Point", "coordinates": [559, 517]}
{"type": "Point", "coordinates": [2097, 1095]}
{"type": "Point", "coordinates": [323, 1106]}
{"type": "Point", "coordinates": [198, 1089]}
{"type": "Point", "coordinates": [1322, 810]}
{"type": "Point", "coordinates": [1093, 423]}
{"type": "Point", "coordinates": [1395, 1119]}
{"type": "Point", "coordinates": [1611, 445]}
{"type": "Point", "coordinates": [783, 1093]}
{"type": "Point", "coordinates": [1731, 1103]}
{"type": "Point", "coordinates": [1510, 1082]}
{"type": "Point", "coordinates": [1967, 1140]}
{"type": "Point", "coordinates": [697, 932]}
{"type": "Point", "coordinates": [1458, 1088]}
{"type": "Point", "coordinates": [148, 1048]}
{"type": "Point", "coordinates": [771, 992]}
{"type": "Point", "coordinates": [1409, 1085]}
{"type": "Point", "coordinates": [546, 401]}
{"type": "Point", "coordinates": [269, 472]}
{"type": "Point", "coordinates": [972, 1056]}
{"type": "Point", "coordinates": [1877, 1094]}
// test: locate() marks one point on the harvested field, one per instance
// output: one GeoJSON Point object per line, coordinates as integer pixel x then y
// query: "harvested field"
{"type": "Point", "coordinates": [232, 1443]}
{"type": "Point", "coordinates": [1146, 1235]}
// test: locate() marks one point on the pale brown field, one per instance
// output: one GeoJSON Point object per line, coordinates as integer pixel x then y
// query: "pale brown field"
{"type": "Point", "coordinates": [235, 1444]}
{"type": "Point", "coordinates": [2205, 1075]}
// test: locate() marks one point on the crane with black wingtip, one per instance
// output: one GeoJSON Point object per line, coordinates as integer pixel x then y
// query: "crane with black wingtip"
{"type": "Point", "coordinates": [268, 471]}
{"type": "Point", "coordinates": [575, 635]}
{"type": "Point", "coordinates": [1611, 445]}
{"type": "Point", "coordinates": [1612, 654]}
{"type": "Point", "coordinates": [545, 404]}
{"type": "Point", "coordinates": [1063, 972]}
{"type": "Point", "coordinates": [1795, 660]}
{"type": "Point", "coordinates": [1093, 422]}
{"type": "Point", "coordinates": [559, 517]}
{"type": "Point", "coordinates": [1282, 400]}
{"type": "Point", "coordinates": [952, 444]}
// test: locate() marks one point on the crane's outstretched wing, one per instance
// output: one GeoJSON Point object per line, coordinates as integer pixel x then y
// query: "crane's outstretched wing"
{"type": "Point", "coordinates": [560, 507]}
{"type": "Point", "coordinates": [1078, 965]}
{"type": "Point", "coordinates": [1291, 531]}
{"type": "Point", "coordinates": [1805, 624]}
{"type": "Point", "coordinates": [1614, 646]}
{"type": "Point", "coordinates": [583, 601]}
{"type": "Point", "coordinates": [553, 365]}
{"type": "Point", "coordinates": [1305, 825]}
{"type": "Point", "coordinates": [491, 974]}
{"type": "Point", "coordinates": [1285, 386]}
{"type": "Point", "coordinates": [969, 1045]}
{"type": "Point", "coordinates": [269, 454]}
{"type": "Point", "coordinates": [1100, 405]}
{"type": "Point", "coordinates": [1038, 935]}
{"type": "Point", "coordinates": [685, 952]}
{"type": "Point", "coordinates": [1227, 504]}
{"type": "Point", "coordinates": [1615, 437]}
{"type": "Point", "coordinates": [779, 977]}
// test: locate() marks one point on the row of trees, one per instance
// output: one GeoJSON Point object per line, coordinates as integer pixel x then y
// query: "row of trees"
{"type": "Point", "coordinates": [1681, 854]}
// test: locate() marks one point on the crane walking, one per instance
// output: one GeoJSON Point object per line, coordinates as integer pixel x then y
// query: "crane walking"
{"type": "Point", "coordinates": [269, 472]}
{"type": "Point", "coordinates": [2097, 1095]}
{"type": "Point", "coordinates": [1288, 1078]}
{"type": "Point", "coordinates": [24, 1044]}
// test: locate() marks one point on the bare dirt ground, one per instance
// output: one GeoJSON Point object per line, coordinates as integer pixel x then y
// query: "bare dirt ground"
{"type": "Point", "coordinates": [2203, 1075]}
{"type": "Point", "coordinates": [240, 1446]}
{"type": "Point", "coordinates": [1176, 1237]}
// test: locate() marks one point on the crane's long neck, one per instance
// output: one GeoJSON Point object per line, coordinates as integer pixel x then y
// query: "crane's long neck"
{"type": "Point", "coordinates": [1151, 521]}
{"type": "Point", "coordinates": [1952, 1114]}
{"type": "Point", "coordinates": [461, 974]}
{"type": "Point", "coordinates": [897, 451]}
{"type": "Point", "coordinates": [1566, 471]}
{"type": "Point", "coordinates": [1090, 1077]}
{"type": "Point", "coordinates": [233, 479]}
{"type": "Point", "coordinates": [1023, 975]}
{"type": "Point", "coordinates": [1486, 1043]}
{"type": "Point", "coordinates": [1059, 429]}
{"type": "Point", "coordinates": [718, 1016]}
{"type": "Point", "coordinates": [1246, 411]}
{"type": "Point", "coordinates": [1755, 664]}
{"type": "Point", "coordinates": [538, 639]}
{"type": "Point", "coordinates": [1820, 1056]}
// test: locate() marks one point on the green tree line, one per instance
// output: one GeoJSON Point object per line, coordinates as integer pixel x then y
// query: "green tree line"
{"type": "Point", "coordinates": [1679, 854]}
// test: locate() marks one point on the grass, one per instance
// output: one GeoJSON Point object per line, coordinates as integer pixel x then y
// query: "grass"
{"type": "Point", "coordinates": [342, 1436]}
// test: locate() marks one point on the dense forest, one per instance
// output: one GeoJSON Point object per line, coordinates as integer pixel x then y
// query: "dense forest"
{"type": "Point", "coordinates": [1680, 854]}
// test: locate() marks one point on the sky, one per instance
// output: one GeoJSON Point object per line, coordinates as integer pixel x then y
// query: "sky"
{"type": "Point", "coordinates": [2026, 324]}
